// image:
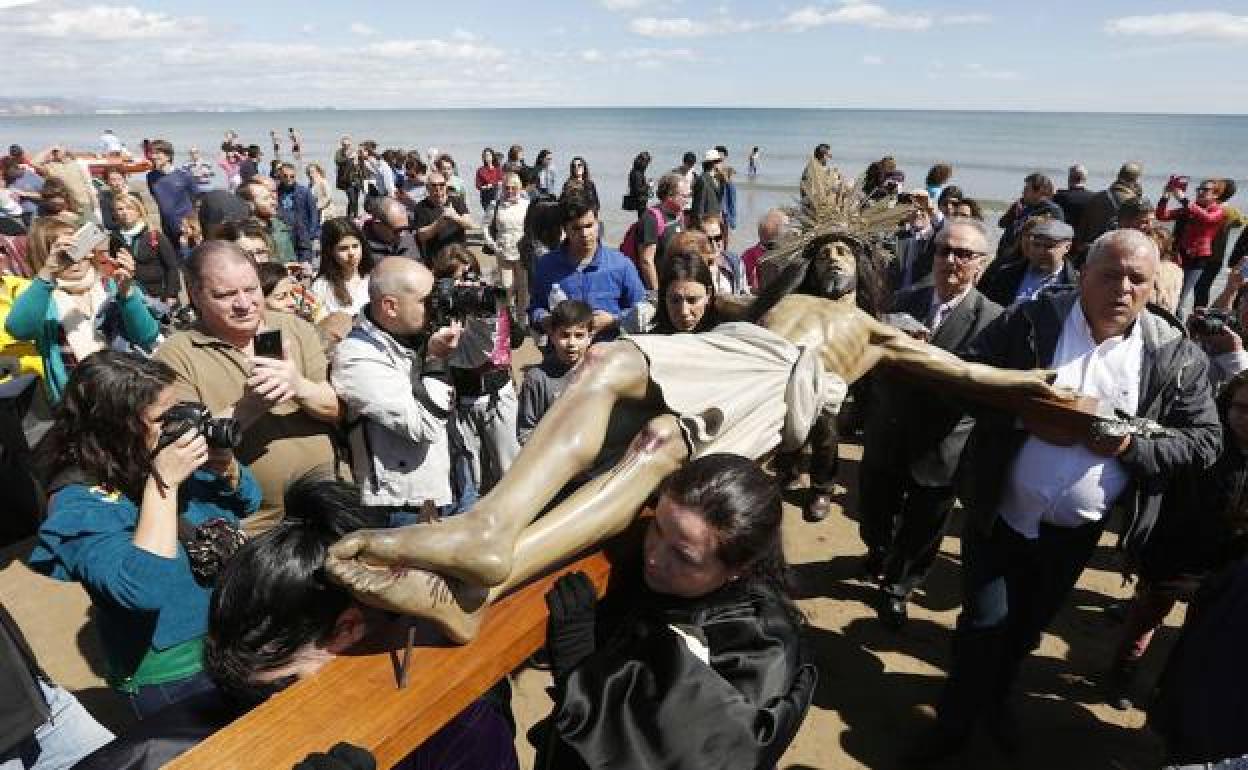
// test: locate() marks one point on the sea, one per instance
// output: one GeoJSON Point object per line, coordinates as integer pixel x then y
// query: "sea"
{"type": "Point", "coordinates": [991, 152]}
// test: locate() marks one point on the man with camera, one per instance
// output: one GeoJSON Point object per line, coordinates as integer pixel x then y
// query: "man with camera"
{"type": "Point", "coordinates": [441, 218]}
{"type": "Point", "coordinates": [396, 417]}
{"type": "Point", "coordinates": [265, 369]}
{"type": "Point", "coordinates": [1218, 332]}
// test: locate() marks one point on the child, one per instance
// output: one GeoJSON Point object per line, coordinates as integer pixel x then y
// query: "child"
{"type": "Point", "coordinates": [570, 335]}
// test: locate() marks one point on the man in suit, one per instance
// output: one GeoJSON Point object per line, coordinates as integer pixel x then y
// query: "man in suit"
{"type": "Point", "coordinates": [912, 446]}
{"type": "Point", "coordinates": [1074, 199]}
{"type": "Point", "coordinates": [1045, 245]}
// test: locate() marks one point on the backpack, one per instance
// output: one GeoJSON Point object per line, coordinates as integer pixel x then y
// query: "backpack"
{"type": "Point", "coordinates": [631, 245]}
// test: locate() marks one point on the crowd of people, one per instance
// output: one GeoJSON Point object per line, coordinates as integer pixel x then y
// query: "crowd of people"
{"type": "Point", "coordinates": [243, 374]}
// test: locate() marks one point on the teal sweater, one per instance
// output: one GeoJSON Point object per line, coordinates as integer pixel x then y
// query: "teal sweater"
{"type": "Point", "coordinates": [34, 318]}
{"type": "Point", "coordinates": [144, 600]}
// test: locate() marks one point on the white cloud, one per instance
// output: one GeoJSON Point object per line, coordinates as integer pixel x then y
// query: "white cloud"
{"type": "Point", "coordinates": [861, 14]}
{"type": "Point", "coordinates": [848, 12]}
{"type": "Point", "coordinates": [362, 29]}
{"type": "Point", "coordinates": [966, 19]}
{"type": "Point", "coordinates": [464, 35]}
{"type": "Point", "coordinates": [649, 26]}
{"type": "Point", "coordinates": [623, 5]}
{"type": "Point", "coordinates": [592, 55]}
{"type": "Point", "coordinates": [1208, 25]}
{"type": "Point", "coordinates": [399, 50]}
{"type": "Point", "coordinates": [872, 60]}
{"type": "Point", "coordinates": [96, 23]}
{"type": "Point", "coordinates": [15, 3]}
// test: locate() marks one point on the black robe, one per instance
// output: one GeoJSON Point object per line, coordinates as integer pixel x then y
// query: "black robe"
{"type": "Point", "coordinates": [717, 682]}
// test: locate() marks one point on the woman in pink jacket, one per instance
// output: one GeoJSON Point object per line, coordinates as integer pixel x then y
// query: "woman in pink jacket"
{"type": "Point", "coordinates": [1196, 224]}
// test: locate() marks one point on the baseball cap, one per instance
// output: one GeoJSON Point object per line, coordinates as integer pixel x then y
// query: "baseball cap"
{"type": "Point", "coordinates": [1055, 229]}
{"type": "Point", "coordinates": [711, 156]}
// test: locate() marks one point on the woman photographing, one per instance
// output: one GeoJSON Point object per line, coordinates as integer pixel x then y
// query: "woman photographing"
{"type": "Point", "coordinates": [131, 486]}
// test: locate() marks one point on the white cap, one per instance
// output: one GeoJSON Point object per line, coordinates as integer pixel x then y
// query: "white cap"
{"type": "Point", "coordinates": [712, 155]}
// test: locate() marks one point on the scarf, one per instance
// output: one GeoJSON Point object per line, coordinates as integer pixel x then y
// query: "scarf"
{"type": "Point", "coordinates": [77, 303]}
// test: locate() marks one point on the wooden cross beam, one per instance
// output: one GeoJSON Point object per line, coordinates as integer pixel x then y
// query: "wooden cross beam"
{"type": "Point", "coordinates": [356, 698]}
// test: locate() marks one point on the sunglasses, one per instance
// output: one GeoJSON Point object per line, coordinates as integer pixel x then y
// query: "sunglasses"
{"type": "Point", "coordinates": [715, 238]}
{"type": "Point", "coordinates": [435, 185]}
{"type": "Point", "coordinates": [960, 255]}
{"type": "Point", "coordinates": [1046, 243]}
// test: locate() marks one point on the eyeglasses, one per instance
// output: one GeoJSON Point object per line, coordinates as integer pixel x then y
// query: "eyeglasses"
{"type": "Point", "coordinates": [1046, 243]}
{"type": "Point", "coordinates": [960, 255]}
{"type": "Point", "coordinates": [255, 253]}
{"type": "Point", "coordinates": [715, 238]}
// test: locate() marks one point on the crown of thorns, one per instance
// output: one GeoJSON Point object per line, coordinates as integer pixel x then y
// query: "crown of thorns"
{"type": "Point", "coordinates": [840, 212]}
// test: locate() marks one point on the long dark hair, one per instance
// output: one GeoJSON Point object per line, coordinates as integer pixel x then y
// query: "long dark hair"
{"type": "Point", "coordinates": [585, 177]}
{"type": "Point", "coordinates": [332, 233]}
{"type": "Point", "coordinates": [685, 265]}
{"type": "Point", "coordinates": [744, 507]}
{"type": "Point", "coordinates": [98, 429]}
{"type": "Point", "coordinates": [796, 279]}
{"type": "Point", "coordinates": [642, 161]}
{"type": "Point", "coordinates": [272, 598]}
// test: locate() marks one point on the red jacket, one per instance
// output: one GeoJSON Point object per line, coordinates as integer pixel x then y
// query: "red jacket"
{"type": "Point", "coordinates": [1200, 225]}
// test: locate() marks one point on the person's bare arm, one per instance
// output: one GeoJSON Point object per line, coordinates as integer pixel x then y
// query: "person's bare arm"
{"type": "Point", "coordinates": [908, 354]}
{"type": "Point", "coordinates": [645, 266]}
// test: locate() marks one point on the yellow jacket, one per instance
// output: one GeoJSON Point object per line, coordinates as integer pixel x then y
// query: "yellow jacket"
{"type": "Point", "coordinates": [27, 355]}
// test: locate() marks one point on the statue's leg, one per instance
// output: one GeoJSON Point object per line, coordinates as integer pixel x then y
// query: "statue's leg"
{"type": "Point", "coordinates": [477, 546]}
{"type": "Point", "coordinates": [602, 508]}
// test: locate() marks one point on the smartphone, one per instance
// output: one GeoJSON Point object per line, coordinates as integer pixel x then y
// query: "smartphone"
{"type": "Point", "coordinates": [1178, 182]}
{"type": "Point", "coordinates": [269, 344]}
{"type": "Point", "coordinates": [87, 239]}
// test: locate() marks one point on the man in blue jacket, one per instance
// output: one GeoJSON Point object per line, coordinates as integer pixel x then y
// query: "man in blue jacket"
{"type": "Point", "coordinates": [584, 269]}
{"type": "Point", "coordinates": [297, 208]}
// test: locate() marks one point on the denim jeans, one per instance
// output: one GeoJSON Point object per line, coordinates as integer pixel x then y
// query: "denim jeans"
{"type": "Point", "coordinates": [70, 734]}
{"type": "Point", "coordinates": [1012, 589]}
{"type": "Point", "coordinates": [1191, 277]}
{"type": "Point", "coordinates": [154, 697]}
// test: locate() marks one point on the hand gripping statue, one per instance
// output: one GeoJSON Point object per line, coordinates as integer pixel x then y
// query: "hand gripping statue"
{"type": "Point", "coordinates": [744, 387]}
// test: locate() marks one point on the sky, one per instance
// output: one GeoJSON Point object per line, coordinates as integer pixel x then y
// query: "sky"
{"type": "Point", "coordinates": [1094, 55]}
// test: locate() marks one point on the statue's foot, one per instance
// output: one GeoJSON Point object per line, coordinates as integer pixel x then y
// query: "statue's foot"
{"type": "Point", "coordinates": [456, 608]}
{"type": "Point", "coordinates": [468, 547]}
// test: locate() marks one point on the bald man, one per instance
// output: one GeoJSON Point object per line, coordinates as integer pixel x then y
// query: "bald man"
{"type": "Point", "coordinates": [396, 418]}
{"type": "Point", "coordinates": [1035, 510]}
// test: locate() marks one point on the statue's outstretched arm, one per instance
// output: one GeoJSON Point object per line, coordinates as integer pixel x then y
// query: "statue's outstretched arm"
{"type": "Point", "coordinates": [904, 352]}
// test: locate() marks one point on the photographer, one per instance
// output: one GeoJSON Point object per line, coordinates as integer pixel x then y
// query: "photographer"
{"type": "Point", "coordinates": [483, 425]}
{"type": "Point", "coordinates": [132, 490]}
{"type": "Point", "coordinates": [277, 390]}
{"type": "Point", "coordinates": [69, 311]}
{"type": "Point", "coordinates": [1201, 220]}
{"type": "Point", "coordinates": [1218, 332]}
{"type": "Point", "coordinates": [396, 418]}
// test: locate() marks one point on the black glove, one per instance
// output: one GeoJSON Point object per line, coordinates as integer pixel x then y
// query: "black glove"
{"type": "Point", "coordinates": [570, 629]}
{"type": "Point", "coordinates": [343, 756]}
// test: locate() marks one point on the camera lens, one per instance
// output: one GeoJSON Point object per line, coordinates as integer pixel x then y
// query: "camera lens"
{"type": "Point", "coordinates": [222, 433]}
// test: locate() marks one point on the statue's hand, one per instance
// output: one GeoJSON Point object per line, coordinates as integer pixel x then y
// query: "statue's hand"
{"type": "Point", "coordinates": [1040, 383]}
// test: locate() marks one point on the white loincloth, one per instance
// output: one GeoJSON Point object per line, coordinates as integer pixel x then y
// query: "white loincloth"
{"type": "Point", "coordinates": [740, 388]}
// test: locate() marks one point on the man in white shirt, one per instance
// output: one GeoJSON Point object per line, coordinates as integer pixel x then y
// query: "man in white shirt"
{"type": "Point", "coordinates": [1036, 510]}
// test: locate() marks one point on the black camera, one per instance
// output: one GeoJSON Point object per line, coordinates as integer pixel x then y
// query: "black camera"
{"type": "Point", "coordinates": [450, 301]}
{"type": "Point", "coordinates": [1211, 323]}
{"type": "Point", "coordinates": [220, 433]}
